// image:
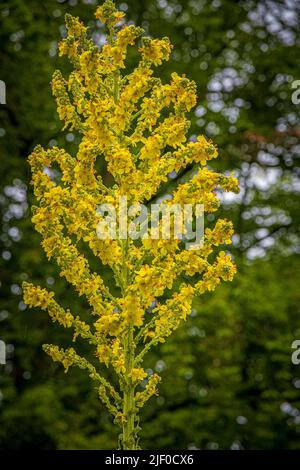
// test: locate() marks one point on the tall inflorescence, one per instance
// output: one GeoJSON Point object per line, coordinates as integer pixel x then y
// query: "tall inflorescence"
{"type": "Point", "coordinates": [138, 124]}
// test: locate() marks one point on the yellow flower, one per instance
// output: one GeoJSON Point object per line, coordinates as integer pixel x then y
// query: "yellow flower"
{"type": "Point", "coordinates": [132, 311]}
{"type": "Point", "coordinates": [155, 50]}
{"type": "Point", "coordinates": [108, 14]}
{"type": "Point", "coordinates": [36, 296]}
{"type": "Point", "coordinates": [138, 374]}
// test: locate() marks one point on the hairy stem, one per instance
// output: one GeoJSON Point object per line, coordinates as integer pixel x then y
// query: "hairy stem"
{"type": "Point", "coordinates": [129, 409]}
{"type": "Point", "coordinates": [129, 438]}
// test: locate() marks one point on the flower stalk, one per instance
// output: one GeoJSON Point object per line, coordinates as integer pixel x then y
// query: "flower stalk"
{"type": "Point", "coordinates": [138, 125]}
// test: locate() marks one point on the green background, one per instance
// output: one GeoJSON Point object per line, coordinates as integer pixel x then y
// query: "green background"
{"type": "Point", "coordinates": [228, 380]}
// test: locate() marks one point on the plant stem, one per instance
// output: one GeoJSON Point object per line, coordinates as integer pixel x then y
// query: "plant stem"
{"type": "Point", "coordinates": [129, 410]}
{"type": "Point", "coordinates": [129, 405]}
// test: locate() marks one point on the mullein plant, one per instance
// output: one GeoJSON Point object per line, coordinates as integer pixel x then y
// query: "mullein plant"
{"type": "Point", "coordinates": [138, 125]}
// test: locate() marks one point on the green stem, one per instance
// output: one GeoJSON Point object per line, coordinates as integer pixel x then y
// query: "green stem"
{"type": "Point", "coordinates": [129, 439]}
{"type": "Point", "coordinates": [129, 409]}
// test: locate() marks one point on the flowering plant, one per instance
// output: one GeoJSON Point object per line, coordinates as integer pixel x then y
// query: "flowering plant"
{"type": "Point", "coordinates": [138, 124]}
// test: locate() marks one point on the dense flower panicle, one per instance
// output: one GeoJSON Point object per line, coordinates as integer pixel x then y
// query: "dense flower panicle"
{"type": "Point", "coordinates": [138, 125]}
{"type": "Point", "coordinates": [150, 390]}
{"type": "Point", "coordinates": [108, 14]}
{"type": "Point", "coordinates": [202, 189]}
{"type": "Point", "coordinates": [155, 51]}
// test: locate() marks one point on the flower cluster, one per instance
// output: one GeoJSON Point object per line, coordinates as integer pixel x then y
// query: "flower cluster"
{"type": "Point", "coordinates": [138, 125]}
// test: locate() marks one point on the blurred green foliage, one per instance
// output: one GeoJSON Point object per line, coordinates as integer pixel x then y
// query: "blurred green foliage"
{"type": "Point", "coordinates": [228, 380]}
